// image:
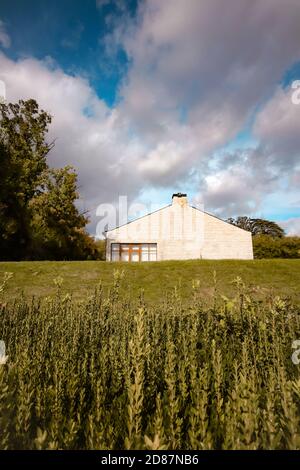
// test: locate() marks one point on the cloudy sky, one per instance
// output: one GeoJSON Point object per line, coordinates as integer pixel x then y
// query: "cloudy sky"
{"type": "Point", "coordinates": [152, 97]}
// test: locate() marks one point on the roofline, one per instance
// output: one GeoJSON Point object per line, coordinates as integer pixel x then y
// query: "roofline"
{"type": "Point", "coordinates": [138, 218]}
{"type": "Point", "coordinates": [169, 205]}
{"type": "Point", "coordinates": [222, 220]}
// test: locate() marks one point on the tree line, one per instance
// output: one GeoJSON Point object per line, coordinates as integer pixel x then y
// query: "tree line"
{"type": "Point", "coordinates": [38, 215]}
{"type": "Point", "coordinates": [269, 239]}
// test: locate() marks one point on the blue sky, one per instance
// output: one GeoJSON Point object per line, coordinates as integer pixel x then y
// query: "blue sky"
{"type": "Point", "coordinates": [70, 32]}
{"type": "Point", "coordinates": [152, 97]}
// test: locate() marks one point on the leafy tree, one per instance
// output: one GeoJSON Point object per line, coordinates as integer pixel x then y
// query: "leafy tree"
{"type": "Point", "coordinates": [23, 152]}
{"type": "Point", "coordinates": [101, 249]}
{"type": "Point", "coordinates": [38, 215]}
{"type": "Point", "coordinates": [258, 226]}
{"type": "Point", "coordinates": [57, 223]}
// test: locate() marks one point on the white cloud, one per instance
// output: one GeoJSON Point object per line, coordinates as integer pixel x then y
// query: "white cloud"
{"type": "Point", "coordinates": [4, 37]}
{"type": "Point", "coordinates": [238, 188]}
{"type": "Point", "coordinates": [197, 72]}
{"type": "Point", "coordinates": [291, 226]}
{"type": "Point", "coordinates": [97, 143]}
{"type": "Point", "coordinates": [218, 64]}
{"type": "Point", "coordinates": [277, 126]}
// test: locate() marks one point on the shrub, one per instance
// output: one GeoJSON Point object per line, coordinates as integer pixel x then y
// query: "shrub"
{"type": "Point", "coordinates": [101, 249]}
{"type": "Point", "coordinates": [111, 373]}
{"type": "Point", "coordinates": [265, 246]}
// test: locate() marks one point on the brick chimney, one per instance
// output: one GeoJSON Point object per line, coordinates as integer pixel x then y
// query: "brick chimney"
{"type": "Point", "coordinates": [179, 198]}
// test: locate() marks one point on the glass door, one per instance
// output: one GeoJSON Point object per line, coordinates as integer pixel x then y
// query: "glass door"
{"type": "Point", "coordinates": [135, 253]}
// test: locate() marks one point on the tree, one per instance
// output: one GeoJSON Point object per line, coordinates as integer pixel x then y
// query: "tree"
{"type": "Point", "coordinates": [58, 226]}
{"type": "Point", "coordinates": [23, 152]}
{"type": "Point", "coordinates": [258, 226]}
{"type": "Point", "coordinates": [101, 249]}
{"type": "Point", "coordinates": [38, 215]}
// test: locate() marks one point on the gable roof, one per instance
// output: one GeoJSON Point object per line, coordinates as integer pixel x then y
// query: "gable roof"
{"type": "Point", "coordinates": [138, 218]}
{"type": "Point", "coordinates": [221, 220]}
{"type": "Point", "coordinates": [169, 205]}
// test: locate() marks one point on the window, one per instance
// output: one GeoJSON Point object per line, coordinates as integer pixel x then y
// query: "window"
{"type": "Point", "coordinates": [124, 256]}
{"type": "Point", "coordinates": [115, 252]}
{"type": "Point", "coordinates": [134, 252]}
{"type": "Point", "coordinates": [144, 252]}
{"type": "Point", "coordinates": [152, 252]}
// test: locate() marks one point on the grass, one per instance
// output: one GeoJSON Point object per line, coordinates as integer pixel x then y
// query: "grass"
{"type": "Point", "coordinates": [117, 372]}
{"type": "Point", "coordinates": [265, 277]}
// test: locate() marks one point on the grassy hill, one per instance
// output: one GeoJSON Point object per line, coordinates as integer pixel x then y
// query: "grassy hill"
{"type": "Point", "coordinates": [118, 372]}
{"type": "Point", "coordinates": [265, 277]}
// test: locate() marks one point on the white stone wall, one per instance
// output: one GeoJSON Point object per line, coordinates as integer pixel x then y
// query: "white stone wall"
{"type": "Point", "coordinates": [183, 232]}
{"type": "Point", "coordinates": [225, 241]}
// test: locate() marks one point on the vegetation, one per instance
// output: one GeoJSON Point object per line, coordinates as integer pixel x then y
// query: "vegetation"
{"type": "Point", "coordinates": [38, 216]}
{"type": "Point", "coordinates": [113, 373]}
{"type": "Point", "coordinates": [265, 246]}
{"type": "Point", "coordinates": [269, 240]}
{"type": "Point", "coordinates": [101, 249]}
{"type": "Point", "coordinates": [258, 226]}
{"type": "Point", "coordinates": [264, 277]}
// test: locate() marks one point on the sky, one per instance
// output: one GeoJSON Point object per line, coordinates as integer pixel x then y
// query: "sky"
{"type": "Point", "coordinates": [152, 97]}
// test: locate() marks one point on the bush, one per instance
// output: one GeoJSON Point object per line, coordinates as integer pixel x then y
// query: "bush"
{"type": "Point", "coordinates": [112, 373]}
{"type": "Point", "coordinates": [101, 249]}
{"type": "Point", "coordinates": [265, 246]}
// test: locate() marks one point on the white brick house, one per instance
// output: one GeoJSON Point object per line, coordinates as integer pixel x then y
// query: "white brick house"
{"type": "Point", "coordinates": [178, 231]}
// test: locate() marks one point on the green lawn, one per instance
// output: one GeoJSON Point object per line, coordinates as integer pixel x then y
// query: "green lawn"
{"type": "Point", "coordinates": [272, 277]}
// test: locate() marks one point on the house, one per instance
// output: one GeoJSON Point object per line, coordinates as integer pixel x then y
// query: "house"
{"type": "Point", "coordinates": [178, 231]}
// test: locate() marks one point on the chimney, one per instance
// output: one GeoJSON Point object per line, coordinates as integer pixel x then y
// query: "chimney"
{"type": "Point", "coordinates": [179, 198]}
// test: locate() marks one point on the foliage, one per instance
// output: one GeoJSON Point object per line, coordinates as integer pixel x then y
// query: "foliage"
{"type": "Point", "coordinates": [56, 222]}
{"type": "Point", "coordinates": [23, 154]}
{"type": "Point", "coordinates": [258, 226]}
{"type": "Point", "coordinates": [38, 216]}
{"type": "Point", "coordinates": [34, 278]}
{"type": "Point", "coordinates": [113, 373]}
{"type": "Point", "coordinates": [101, 249]}
{"type": "Point", "coordinates": [265, 246]}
